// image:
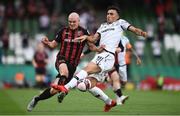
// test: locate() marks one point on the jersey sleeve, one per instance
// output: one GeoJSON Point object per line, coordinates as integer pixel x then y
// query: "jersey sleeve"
{"type": "Point", "coordinates": [59, 35]}
{"type": "Point", "coordinates": [99, 29]}
{"type": "Point", "coordinates": [124, 24]}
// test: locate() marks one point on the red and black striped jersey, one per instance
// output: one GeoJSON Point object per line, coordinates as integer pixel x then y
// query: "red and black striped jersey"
{"type": "Point", "coordinates": [70, 50]}
{"type": "Point", "coordinates": [40, 58]}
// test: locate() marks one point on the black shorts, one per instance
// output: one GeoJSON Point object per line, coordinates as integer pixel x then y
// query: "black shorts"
{"type": "Point", "coordinates": [40, 70]}
{"type": "Point", "coordinates": [71, 69]}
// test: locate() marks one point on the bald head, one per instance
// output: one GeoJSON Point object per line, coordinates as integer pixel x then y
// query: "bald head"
{"type": "Point", "coordinates": [73, 20]}
{"type": "Point", "coordinates": [74, 15]}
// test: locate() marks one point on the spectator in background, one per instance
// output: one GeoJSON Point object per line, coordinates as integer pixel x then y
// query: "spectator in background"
{"type": "Point", "coordinates": [44, 20]}
{"type": "Point", "coordinates": [10, 10]}
{"type": "Point", "coordinates": [39, 62]}
{"type": "Point", "coordinates": [20, 9]}
{"type": "Point", "coordinates": [32, 8]}
{"type": "Point", "coordinates": [49, 5]}
{"type": "Point", "coordinates": [168, 7]}
{"type": "Point", "coordinates": [161, 27]}
{"type": "Point", "coordinates": [160, 81]}
{"type": "Point", "coordinates": [159, 8]}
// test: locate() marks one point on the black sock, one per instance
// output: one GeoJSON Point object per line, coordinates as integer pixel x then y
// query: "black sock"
{"type": "Point", "coordinates": [118, 92]}
{"type": "Point", "coordinates": [62, 79]}
{"type": "Point", "coordinates": [44, 95]}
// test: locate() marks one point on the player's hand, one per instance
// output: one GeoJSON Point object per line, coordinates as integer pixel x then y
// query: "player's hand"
{"type": "Point", "coordinates": [81, 38]}
{"type": "Point", "coordinates": [138, 61]}
{"type": "Point", "coordinates": [144, 34]}
{"type": "Point", "coordinates": [45, 40]}
{"type": "Point", "coordinates": [100, 48]}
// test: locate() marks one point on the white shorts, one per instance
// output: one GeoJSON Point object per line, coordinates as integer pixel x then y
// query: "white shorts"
{"type": "Point", "coordinates": [123, 73]}
{"type": "Point", "coordinates": [100, 77]}
{"type": "Point", "coordinates": [104, 60]}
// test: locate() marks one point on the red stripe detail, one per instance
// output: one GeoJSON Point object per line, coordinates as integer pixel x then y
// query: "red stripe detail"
{"type": "Point", "coordinates": [79, 53]}
{"type": "Point", "coordinates": [74, 47]}
{"type": "Point", "coordinates": [68, 44]}
{"type": "Point", "coordinates": [62, 41]}
{"type": "Point", "coordinates": [80, 49]}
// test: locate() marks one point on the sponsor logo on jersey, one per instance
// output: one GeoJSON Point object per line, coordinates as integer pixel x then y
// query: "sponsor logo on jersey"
{"type": "Point", "coordinates": [109, 29]}
{"type": "Point", "coordinates": [72, 40]}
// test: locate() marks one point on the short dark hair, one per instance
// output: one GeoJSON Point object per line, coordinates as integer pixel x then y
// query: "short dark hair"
{"type": "Point", "coordinates": [114, 8]}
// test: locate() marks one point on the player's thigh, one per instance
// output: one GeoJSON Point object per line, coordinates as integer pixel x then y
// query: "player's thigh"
{"type": "Point", "coordinates": [63, 69]}
{"type": "Point", "coordinates": [92, 68]}
{"type": "Point", "coordinates": [114, 76]}
{"type": "Point", "coordinates": [104, 60]}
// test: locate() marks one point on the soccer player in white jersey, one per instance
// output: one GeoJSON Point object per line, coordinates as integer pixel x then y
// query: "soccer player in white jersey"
{"type": "Point", "coordinates": [109, 34]}
{"type": "Point", "coordinates": [121, 69]}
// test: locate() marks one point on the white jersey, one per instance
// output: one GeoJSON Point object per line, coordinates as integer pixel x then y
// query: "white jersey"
{"type": "Point", "coordinates": [111, 34]}
{"type": "Point", "coordinates": [121, 55]}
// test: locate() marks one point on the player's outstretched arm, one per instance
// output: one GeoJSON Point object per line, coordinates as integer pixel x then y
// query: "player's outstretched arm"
{"type": "Point", "coordinates": [137, 31]}
{"type": "Point", "coordinates": [51, 44]}
{"type": "Point", "coordinates": [93, 47]}
{"type": "Point", "coordinates": [92, 38]}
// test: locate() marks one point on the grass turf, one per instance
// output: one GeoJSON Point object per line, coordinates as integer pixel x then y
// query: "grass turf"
{"type": "Point", "coordinates": [14, 102]}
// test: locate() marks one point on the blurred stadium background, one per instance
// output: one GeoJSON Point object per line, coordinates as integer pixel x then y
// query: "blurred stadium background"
{"type": "Point", "coordinates": [24, 22]}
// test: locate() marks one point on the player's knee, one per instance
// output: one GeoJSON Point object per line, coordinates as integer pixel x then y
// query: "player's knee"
{"type": "Point", "coordinates": [84, 85]}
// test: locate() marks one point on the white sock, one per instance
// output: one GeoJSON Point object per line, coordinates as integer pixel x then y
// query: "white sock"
{"type": "Point", "coordinates": [81, 75]}
{"type": "Point", "coordinates": [97, 92]}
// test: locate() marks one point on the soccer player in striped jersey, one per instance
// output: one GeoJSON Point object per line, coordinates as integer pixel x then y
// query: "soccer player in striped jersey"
{"type": "Point", "coordinates": [68, 56]}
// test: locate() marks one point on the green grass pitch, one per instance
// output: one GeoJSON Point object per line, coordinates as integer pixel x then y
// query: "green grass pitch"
{"type": "Point", "coordinates": [14, 102]}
